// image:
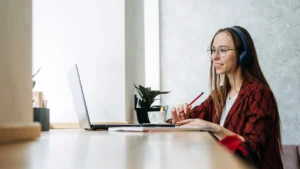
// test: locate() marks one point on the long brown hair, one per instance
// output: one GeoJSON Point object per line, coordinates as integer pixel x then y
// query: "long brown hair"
{"type": "Point", "coordinates": [219, 93]}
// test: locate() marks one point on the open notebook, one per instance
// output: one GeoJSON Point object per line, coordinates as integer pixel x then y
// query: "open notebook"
{"type": "Point", "coordinates": [145, 129]}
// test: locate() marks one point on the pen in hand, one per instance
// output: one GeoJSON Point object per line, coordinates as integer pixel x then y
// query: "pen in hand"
{"type": "Point", "coordinates": [194, 100]}
{"type": "Point", "coordinates": [181, 115]}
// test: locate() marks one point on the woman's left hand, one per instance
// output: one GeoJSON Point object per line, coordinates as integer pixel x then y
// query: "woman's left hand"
{"type": "Point", "coordinates": [217, 130]}
{"type": "Point", "coordinates": [214, 128]}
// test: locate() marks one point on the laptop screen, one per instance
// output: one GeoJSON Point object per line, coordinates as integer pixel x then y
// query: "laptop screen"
{"type": "Point", "coordinates": [78, 98]}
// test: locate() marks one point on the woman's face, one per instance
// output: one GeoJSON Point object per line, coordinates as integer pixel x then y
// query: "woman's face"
{"type": "Point", "coordinates": [223, 54]}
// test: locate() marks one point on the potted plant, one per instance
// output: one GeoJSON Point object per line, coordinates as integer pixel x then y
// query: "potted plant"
{"type": "Point", "coordinates": [143, 104]}
{"type": "Point", "coordinates": [40, 113]}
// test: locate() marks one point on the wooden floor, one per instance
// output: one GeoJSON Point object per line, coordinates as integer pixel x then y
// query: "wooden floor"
{"type": "Point", "coordinates": [80, 149]}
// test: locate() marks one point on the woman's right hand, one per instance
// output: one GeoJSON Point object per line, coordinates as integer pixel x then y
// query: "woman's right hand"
{"type": "Point", "coordinates": [180, 112]}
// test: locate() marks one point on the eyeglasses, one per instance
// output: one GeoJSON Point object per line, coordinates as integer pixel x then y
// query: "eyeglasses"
{"type": "Point", "coordinates": [221, 50]}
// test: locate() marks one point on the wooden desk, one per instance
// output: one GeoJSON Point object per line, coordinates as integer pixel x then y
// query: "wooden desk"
{"type": "Point", "coordinates": [79, 149]}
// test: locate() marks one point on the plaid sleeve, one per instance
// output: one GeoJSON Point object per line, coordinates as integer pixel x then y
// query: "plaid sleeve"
{"type": "Point", "coordinates": [202, 111]}
{"type": "Point", "coordinates": [259, 118]}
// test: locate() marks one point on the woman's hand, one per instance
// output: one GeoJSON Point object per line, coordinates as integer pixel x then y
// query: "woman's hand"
{"type": "Point", "coordinates": [217, 130]}
{"type": "Point", "coordinates": [180, 112]}
{"type": "Point", "coordinates": [214, 128]}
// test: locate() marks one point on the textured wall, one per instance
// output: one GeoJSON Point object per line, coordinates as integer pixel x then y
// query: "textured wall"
{"type": "Point", "coordinates": [187, 27]}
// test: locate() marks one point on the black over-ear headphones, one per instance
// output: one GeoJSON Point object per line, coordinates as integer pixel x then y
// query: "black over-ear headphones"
{"type": "Point", "coordinates": [245, 57]}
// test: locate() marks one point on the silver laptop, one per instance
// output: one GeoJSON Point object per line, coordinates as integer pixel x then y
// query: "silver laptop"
{"type": "Point", "coordinates": [81, 108]}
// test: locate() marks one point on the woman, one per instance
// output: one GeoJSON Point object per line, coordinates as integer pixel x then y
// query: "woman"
{"type": "Point", "coordinates": [241, 103]}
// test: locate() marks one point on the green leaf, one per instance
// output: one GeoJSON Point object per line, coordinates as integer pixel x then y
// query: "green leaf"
{"type": "Point", "coordinates": [147, 95]}
{"type": "Point", "coordinates": [36, 72]}
{"type": "Point", "coordinates": [141, 95]}
{"type": "Point", "coordinates": [33, 84]}
{"type": "Point", "coordinates": [136, 87]}
{"type": "Point", "coordinates": [164, 92]}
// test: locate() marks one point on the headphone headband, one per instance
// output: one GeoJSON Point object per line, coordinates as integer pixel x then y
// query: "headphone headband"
{"type": "Point", "coordinates": [242, 36]}
{"type": "Point", "coordinates": [245, 58]}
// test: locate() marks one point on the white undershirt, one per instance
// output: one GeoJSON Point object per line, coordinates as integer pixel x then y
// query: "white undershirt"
{"type": "Point", "coordinates": [227, 107]}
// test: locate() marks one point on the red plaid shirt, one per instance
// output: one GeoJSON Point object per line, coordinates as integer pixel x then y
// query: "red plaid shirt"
{"type": "Point", "coordinates": [253, 117]}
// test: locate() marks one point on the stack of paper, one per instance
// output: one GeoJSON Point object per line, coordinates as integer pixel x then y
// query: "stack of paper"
{"type": "Point", "coordinates": [177, 128]}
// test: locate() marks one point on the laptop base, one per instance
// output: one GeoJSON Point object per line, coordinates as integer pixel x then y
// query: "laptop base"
{"type": "Point", "coordinates": [106, 126]}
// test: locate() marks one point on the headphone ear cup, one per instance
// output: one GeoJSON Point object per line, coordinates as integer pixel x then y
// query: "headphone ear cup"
{"type": "Point", "coordinates": [245, 59]}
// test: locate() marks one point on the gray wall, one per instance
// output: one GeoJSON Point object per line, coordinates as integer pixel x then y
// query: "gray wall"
{"type": "Point", "coordinates": [187, 27]}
